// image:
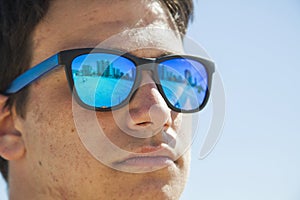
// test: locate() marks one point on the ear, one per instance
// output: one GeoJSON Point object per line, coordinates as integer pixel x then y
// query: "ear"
{"type": "Point", "coordinates": [11, 142]}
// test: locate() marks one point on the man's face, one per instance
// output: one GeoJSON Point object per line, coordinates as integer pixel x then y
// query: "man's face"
{"type": "Point", "coordinates": [56, 161]}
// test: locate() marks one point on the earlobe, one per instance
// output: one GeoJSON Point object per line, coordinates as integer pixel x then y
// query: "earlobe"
{"type": "Point", "coordinates": [11, 142]}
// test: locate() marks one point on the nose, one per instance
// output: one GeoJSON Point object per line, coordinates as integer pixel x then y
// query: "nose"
{"type": "Point", "coordinates": [149, 113]}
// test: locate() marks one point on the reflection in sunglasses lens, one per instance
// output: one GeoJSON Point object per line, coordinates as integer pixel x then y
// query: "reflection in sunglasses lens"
{"type": "Point", "coordinates": [184, 82]}
{"type": "Point", "coordinates": [103, 80]}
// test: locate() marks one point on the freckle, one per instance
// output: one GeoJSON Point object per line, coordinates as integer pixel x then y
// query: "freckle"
{"type": "Point", "coordinates": [91, 18]}
{"type": "Point", "coordinates": [40, 163]}
{"type": "Point", "coordinates": [51, 147]}
{"type": "Point", "coordinates": [58, 80]}
{"type": "Point", "coordinates": [72, 130]}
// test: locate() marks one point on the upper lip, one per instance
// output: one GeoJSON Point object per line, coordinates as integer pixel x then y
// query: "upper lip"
{"type": "Point", "coordinates": [163, 150]}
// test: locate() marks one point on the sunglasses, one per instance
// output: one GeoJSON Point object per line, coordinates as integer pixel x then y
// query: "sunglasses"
{"type": "Point", "coordinates": [105, 79]}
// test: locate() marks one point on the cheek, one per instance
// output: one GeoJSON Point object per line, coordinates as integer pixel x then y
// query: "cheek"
{"type": "Point", "coordinates": [48, 125]}
{"type": "Point", "coordinates": [49, 132]}
{"type": "Point", "coordinates": [49, 107]}
{"type": "Point", "coordinates": [116, 135]}
{"type": "Point", "coordinates": [55, 156]}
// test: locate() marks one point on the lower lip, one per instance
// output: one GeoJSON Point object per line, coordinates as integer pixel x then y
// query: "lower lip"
{"type": "Point", "coordinates": [146, 163]}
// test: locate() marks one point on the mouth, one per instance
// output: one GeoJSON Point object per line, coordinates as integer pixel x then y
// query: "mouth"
{"type": "Point", "coordinates": [147, 159]}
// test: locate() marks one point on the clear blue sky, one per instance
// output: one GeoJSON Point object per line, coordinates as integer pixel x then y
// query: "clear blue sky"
{"type": "Point", "coordinates": [256, 45]}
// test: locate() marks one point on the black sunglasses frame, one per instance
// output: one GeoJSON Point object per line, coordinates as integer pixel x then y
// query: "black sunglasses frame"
{"type": "Point", "coordinates": [66, 57]}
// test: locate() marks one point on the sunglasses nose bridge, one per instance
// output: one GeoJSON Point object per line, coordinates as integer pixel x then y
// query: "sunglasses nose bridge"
{"type": "Point", "coordinates": [146, 65]}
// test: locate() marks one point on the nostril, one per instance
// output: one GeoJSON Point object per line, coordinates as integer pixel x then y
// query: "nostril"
{"type": "Point", "coordinates": [154, 117]}
{"type": "Point", "coordinates": [144, 124]}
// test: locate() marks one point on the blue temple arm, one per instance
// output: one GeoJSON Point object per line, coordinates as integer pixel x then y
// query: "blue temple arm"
{"type": "Point", "coordinates": [33, 74]}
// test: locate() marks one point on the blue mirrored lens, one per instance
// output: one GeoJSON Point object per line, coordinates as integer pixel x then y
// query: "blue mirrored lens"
{"type": "Point", "coordinates": [103, 80]}
{"type": "Point", "coordinates": [184, 82]}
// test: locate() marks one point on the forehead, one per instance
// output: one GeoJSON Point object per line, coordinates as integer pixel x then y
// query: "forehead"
{"type": "Point", "coordinates": [118, 24]}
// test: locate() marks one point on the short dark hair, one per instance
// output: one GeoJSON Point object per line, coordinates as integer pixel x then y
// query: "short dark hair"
{"type": "Point", "coordinates": [18, 18]}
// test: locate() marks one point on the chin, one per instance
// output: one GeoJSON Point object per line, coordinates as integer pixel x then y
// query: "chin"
{"type": "Point", "coordinates": [164, 184]}
{"type": "Point", "coordinates": [159, 191]}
